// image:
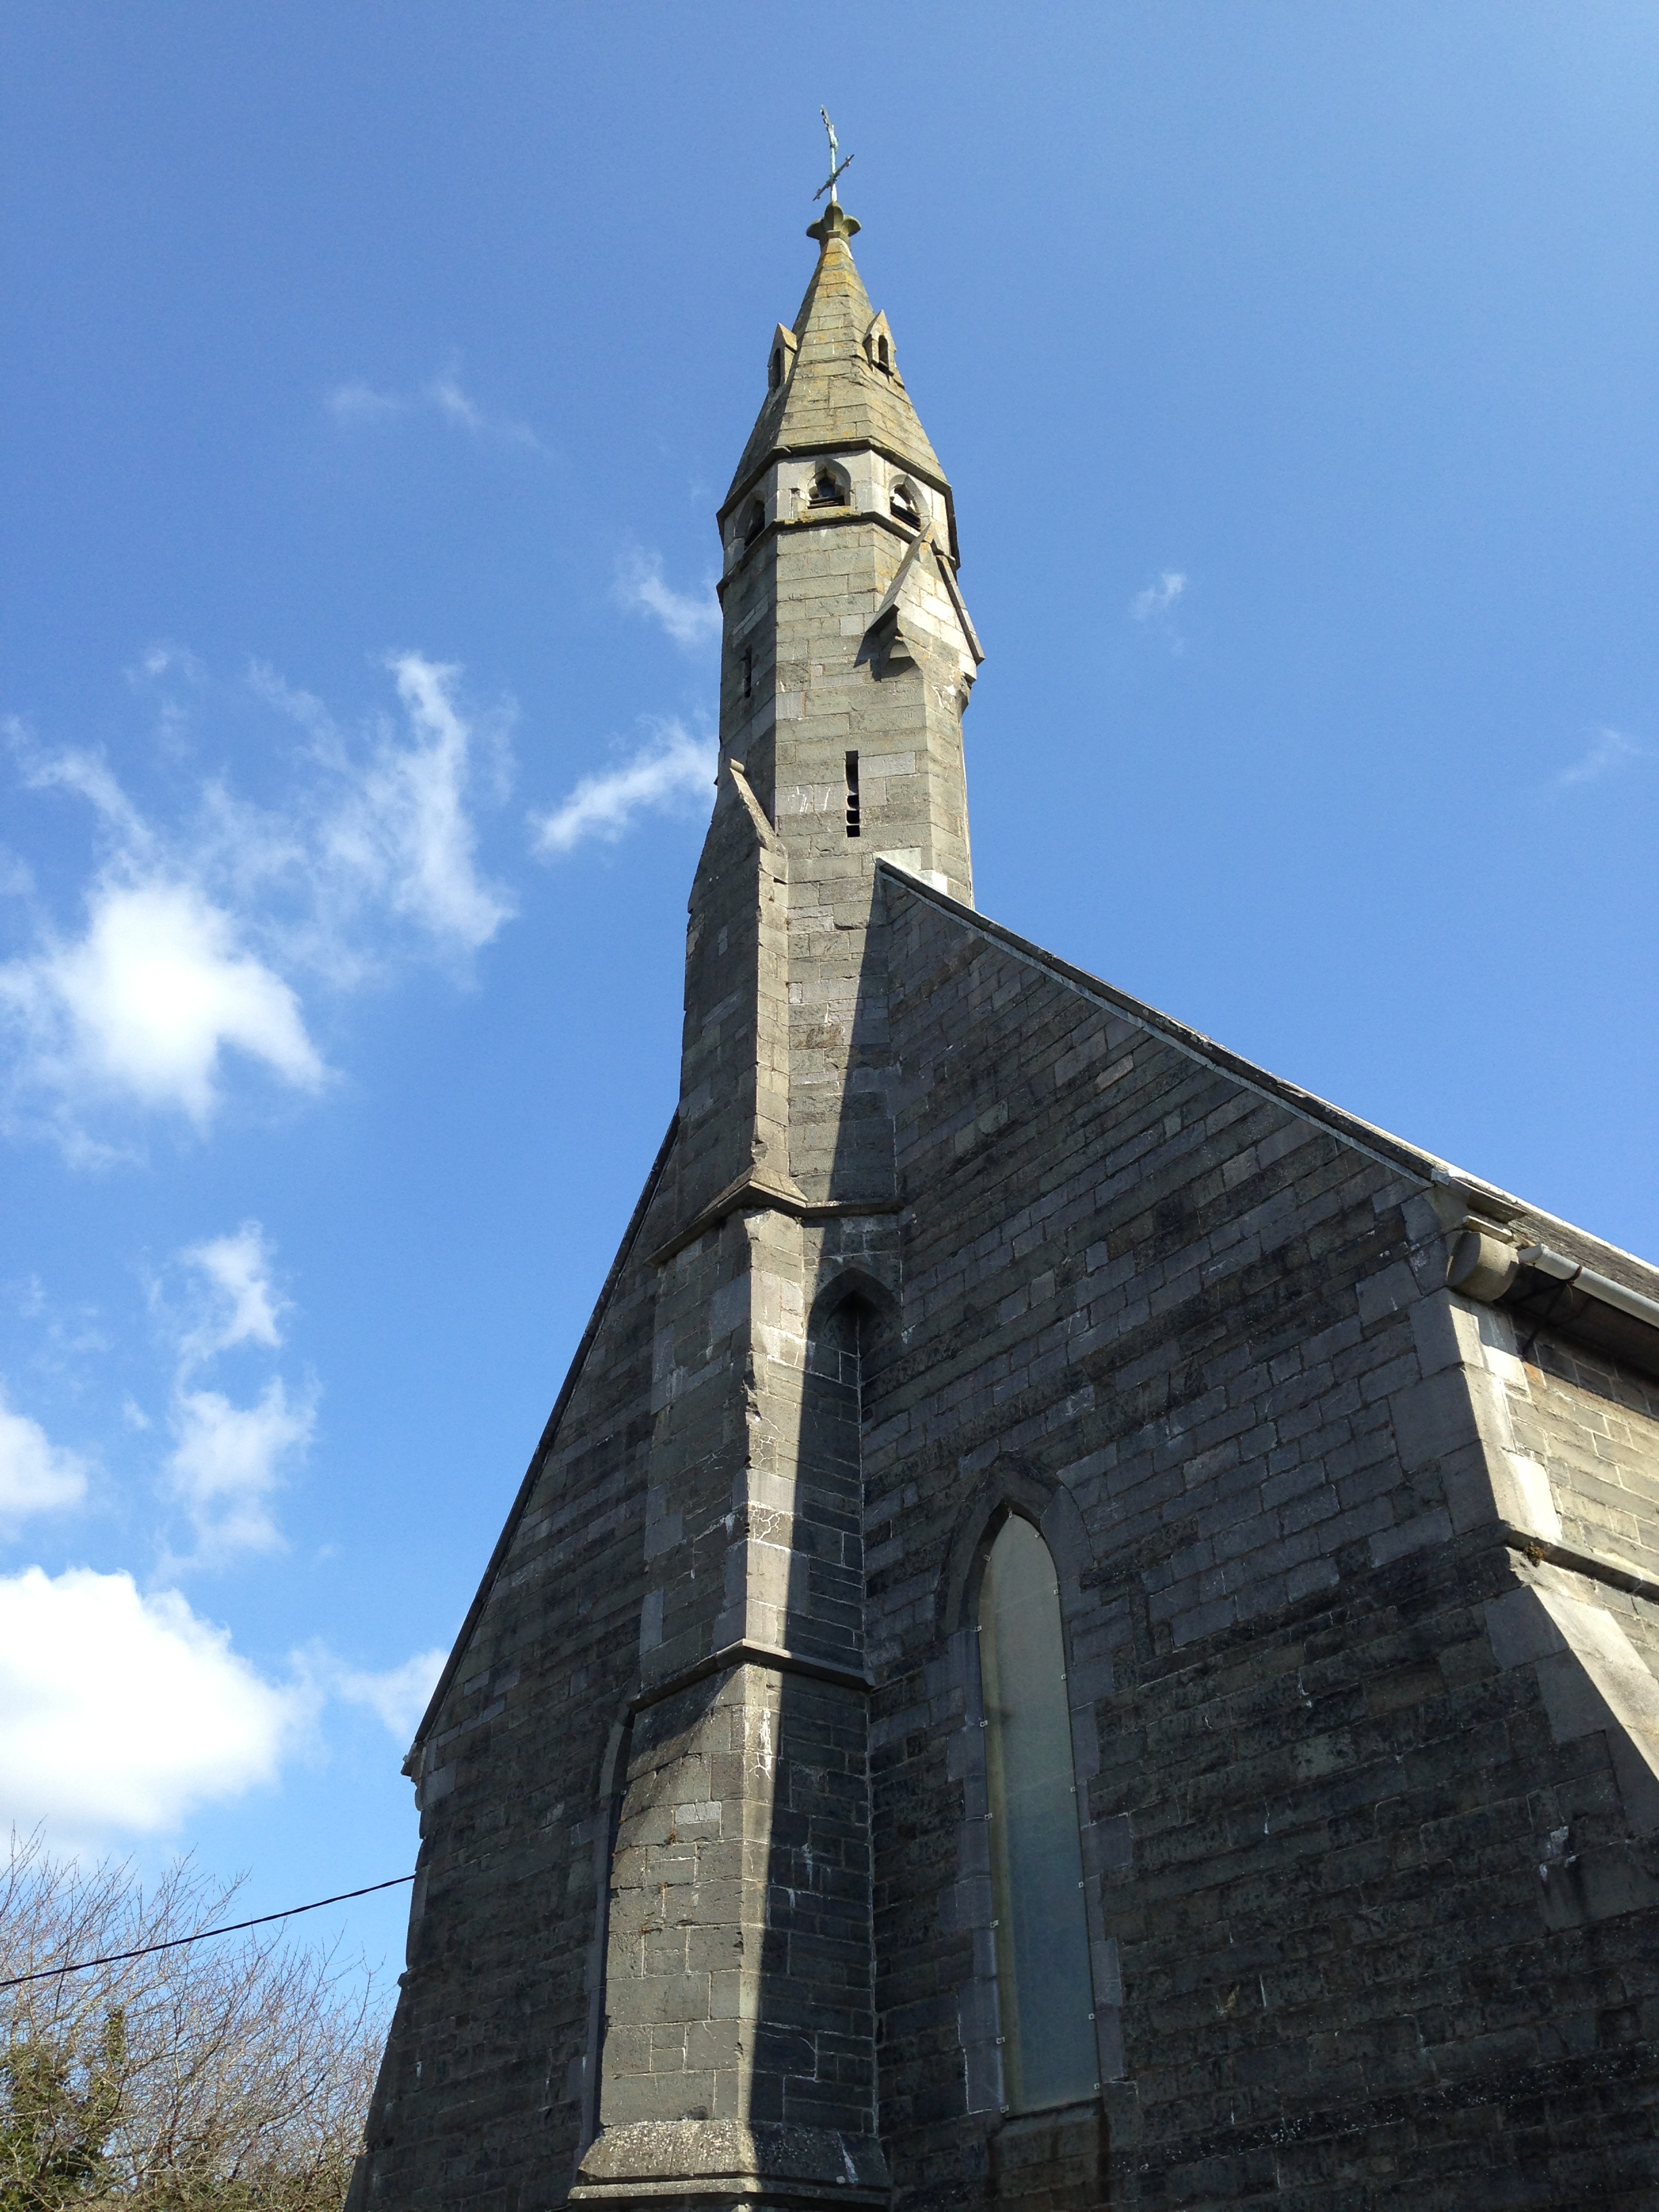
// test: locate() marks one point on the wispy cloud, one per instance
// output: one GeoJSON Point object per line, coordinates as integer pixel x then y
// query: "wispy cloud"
{"type": "Point", "coordinates": [408, 813]}
{"type": "Point", "coordinates": [242, 1304]}
{"type": "Point", "coordinates": [1159, 599]}
{"type": "Point", "coordinates": [673, 772]}
{"type": "Point", "coordinates": [163, 659]}
{"type": "Point", "coordinates": [36, 1475]}
{"type": "Point", "coordinates": [396, 1696]}
{"type": "Point", "coordinates": [196, 935]}
{"type": "Point", "coordinates": [228, 1460]}
{"type": "Point", "coordinates": [359, 404]}
{"type": "Point", "coordinates": [390, 829]}
{"type": "Point", "coordinates": [691, 618]}
{"type": "Point", "coordinates": [123, 1710]}
{"type": "Point", "coordinates": [1611, 751]}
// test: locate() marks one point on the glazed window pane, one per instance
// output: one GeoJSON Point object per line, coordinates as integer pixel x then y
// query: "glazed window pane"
{"type": "Point", "coordinates": [1043, 1989]}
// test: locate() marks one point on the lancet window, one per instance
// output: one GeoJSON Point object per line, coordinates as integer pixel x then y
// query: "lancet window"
{"type": "Point", "coordinates": [1045, 1999]}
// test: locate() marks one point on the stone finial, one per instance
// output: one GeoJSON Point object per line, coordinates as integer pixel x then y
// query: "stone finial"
{"type": "Point", "coordinates": [834, 222]}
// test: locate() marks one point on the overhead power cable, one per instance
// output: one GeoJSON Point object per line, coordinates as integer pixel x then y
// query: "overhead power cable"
{"type": "Point", "coordinates": [232, 1928]}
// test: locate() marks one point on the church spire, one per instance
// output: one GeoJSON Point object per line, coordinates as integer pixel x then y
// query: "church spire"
{"type": "Point", "coordinates": [739, 2064]}
{"type": "Point", "coordinates": [833, 379]}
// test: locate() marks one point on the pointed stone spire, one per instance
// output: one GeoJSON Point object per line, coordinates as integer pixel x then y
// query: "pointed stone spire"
{"type": "Point", "coordinates": [834, 380]}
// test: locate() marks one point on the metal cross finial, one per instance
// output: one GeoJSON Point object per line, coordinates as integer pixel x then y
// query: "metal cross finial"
{"type": "Point", "coordinates": [829, 184]}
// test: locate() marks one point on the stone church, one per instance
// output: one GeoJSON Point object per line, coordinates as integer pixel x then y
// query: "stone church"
{"type": "Point", "coordinates": [1084, 1628]}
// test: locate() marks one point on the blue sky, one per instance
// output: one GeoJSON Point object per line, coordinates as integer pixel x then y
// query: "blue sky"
{"type": "Point", "coordinates": [371, 375]}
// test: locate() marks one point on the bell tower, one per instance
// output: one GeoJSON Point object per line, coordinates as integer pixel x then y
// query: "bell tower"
{"type": "Point", "coordinates": [738, 2061]}
{"type": "Point", "coordinates": [848, 662]}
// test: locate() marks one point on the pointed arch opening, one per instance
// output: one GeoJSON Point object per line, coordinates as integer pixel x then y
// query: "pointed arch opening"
{"type": "Point", "coordinates": [905, 506]}
{"type": "Point", "coordinates": [831, 487]}
{"type": "Point", "coordinates": [1045, 1999]}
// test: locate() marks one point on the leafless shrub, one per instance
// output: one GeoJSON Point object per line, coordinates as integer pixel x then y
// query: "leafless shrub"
{"type": "Point", "coordinates": [226, 2076]}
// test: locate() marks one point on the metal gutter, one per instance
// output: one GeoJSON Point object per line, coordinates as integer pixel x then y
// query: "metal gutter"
{"type": "Point", "coordinates": [1551, 1290]}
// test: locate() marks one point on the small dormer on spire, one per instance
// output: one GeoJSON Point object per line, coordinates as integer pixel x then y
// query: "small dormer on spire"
{"type": "Point", "coordinates": [782, 359]}
{"type": "Point", "coordinates": [878, 350]}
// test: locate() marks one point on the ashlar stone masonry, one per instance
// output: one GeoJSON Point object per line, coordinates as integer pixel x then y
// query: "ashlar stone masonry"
{"type": "Point", "coordinates": [1347, 1464]}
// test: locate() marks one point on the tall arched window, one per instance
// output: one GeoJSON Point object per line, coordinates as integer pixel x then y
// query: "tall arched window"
{"type": "Point", "coordinates": [1044, 1991]}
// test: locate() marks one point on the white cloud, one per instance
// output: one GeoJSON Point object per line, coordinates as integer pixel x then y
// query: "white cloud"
{"type": "Point", "coordinates": [246, 1303]}
{"type": "Point", "coordinates": [394, 832]}
{"type": "Point", "coordinates": [89, 777]}
{"type": "Point", "coordinates": [408, 820]}
{"type": "Point", "coordinates": [356, 403]}
{"type": "Point", "coordinates": [229, 1462]}
{"type": "Point", "coordinates": [1158, 598]}
{"type": "Point", "coordinates": [196, 935]}
{"type": "Point", "coordinates": [1611, 751]}
{"type": "Point", "coordinates": [162, 659]}
{"type": "Point", "coordinates": [396, 1696]}
{"type": "Point", "coordinates": [359, 402]}
{"type": "Point", "coordinates": [691, 618]}
{"type": "Point", "coordinates": [149, 999]}
{"type": "Point", "coordinates": [674, 772]}
{"type": "Point", "coordinates": [126, 1711]}
{"type": "Point", "coordinates": [36, 1475]}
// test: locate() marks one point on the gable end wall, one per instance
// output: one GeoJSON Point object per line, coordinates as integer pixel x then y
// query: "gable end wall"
{"type": "Point", "coordinates": [1318, 1791]}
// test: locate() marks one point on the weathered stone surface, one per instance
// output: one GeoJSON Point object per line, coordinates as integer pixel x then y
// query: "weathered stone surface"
{"type": "Point", "coordinates": [1360, 1576]}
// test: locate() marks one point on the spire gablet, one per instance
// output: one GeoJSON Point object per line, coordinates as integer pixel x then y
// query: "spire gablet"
{"type": "Point", "coordinates": [836, 387]}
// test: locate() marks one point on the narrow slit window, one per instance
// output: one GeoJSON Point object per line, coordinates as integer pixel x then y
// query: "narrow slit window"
{"type": "Point", "coordinates": [855, 826]}
{"type": "Point", "coordinates": [1044, 1991]}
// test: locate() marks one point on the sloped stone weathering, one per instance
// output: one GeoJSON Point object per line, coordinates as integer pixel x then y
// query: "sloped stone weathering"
{"type": "Point", "coordinates": [1082, 1630]}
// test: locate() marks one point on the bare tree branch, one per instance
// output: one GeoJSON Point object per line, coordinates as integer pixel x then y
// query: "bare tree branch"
{"type": "Point", "coordinates": [224, 2077]}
